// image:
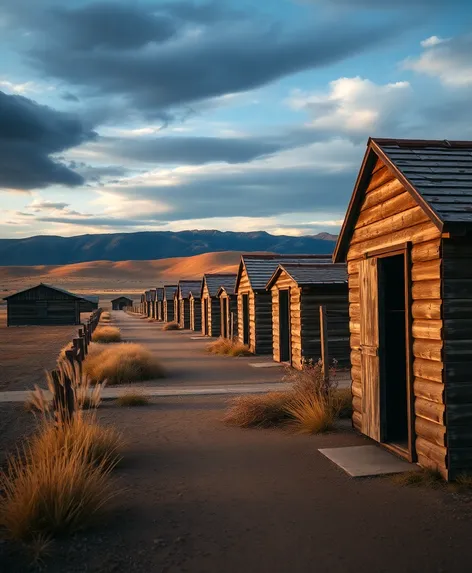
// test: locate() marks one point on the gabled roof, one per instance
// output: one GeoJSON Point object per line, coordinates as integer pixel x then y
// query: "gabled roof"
{"type": "Point", "coordinates": [153, 294]}
{"type": "Point", "coordinates": [312, 274]}
{"type": "Point", "coordinates": [89, 298]}
{"type": "Point", "coordinates": [160, 293]}
{"type": "Point", "coordinates": [122, 298]}
{"type": "Point", "coordinates": [187, 286]}
{"type": "Point", "coordinates": [229, 291]}
{"type": "Point", "coordinates": [216, 280]}
{"type": "Point", "coordinates": [438, 175]}
{"type": "Point", "coordinates": [259, 268]}
{"type": "Point", "coordinates": [169, 291]}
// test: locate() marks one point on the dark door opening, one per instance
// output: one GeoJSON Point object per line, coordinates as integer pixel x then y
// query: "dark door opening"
{"type": "Point", "coordinates": [393, 351]}
{"type": "Point", "coordinates": [246, 319]}
{"type": "Point", "coordinates": [284, 325]}
{"type": "Point", "coordinates": [206, 326]}
{"type": "Point", "coordinates": [224, 318]}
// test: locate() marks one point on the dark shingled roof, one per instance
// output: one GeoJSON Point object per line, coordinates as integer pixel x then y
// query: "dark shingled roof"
{"type": "Point", "coordinates": [438, 174]}
{"type": "Point", "coordinates": [169, 291]}
{"type": "Point", "coordinates": [313, 274]}
{"type": "Point", "coordinates": [260, 268]}
{"type": "Point", "coordinates": [186, 287]}
{"type": "Point", "coordinates": [122, 298]}
{"type": "Point", "coordinates": [160, 293]}
{"type": "Point", "coordinates": [153, 294]}
{"type": "Point", "coordinates": [147, 294]}
{"type": "Point", "coordinates": [88, 297]}
{"type": "Point", "coordinates": [215, 281]}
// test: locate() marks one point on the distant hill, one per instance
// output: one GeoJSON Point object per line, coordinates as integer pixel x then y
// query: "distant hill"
{"type": "Point", "coordinates": [54, 250]}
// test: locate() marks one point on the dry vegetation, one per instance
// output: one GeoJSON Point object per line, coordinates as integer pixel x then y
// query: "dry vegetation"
{"type": "Point", "coordinates": [105, 334]}
{"type": "Point", "coordinates": [121, 363]}
{"type": "Point", "coordinates": [105, 318]}
{"type": "Point", "coordinates": [131, 399]}
{"type": "Point", "coordinates": [171, 326]}
{"type": "Point", "coordinates": [229, 347]}
{"type": "Point", "coordinates": [310, 406]}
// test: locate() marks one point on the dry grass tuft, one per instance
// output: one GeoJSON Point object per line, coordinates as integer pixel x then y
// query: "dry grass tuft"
{"type": "Point", "coordinates": [343, 402]}
{"type": "Point", "coordinates": [229, 347]}
{"type": "Point", "coordinates": [105, 317]}
{"type": "Point", "coordinates": [464, 481]}
{"type": "Point", "coordinates": [151, 319]}
{"type": "Point", "coordinates": [171, 326]}
{"type": "Point", "coordinates": [424, 477]}
{"type": "Point", "coordinates": [131, 399]}
{"type": "Point", "coordinates": [312, 413]}
{"type": "Point", "coordinates": [122, 363]}
{"type": "Point", "coordinates": [106, 334]}
{"type": "Point", "coordinates": [51, 486]}
{"type": "Point", "coordinates": [258, 411]}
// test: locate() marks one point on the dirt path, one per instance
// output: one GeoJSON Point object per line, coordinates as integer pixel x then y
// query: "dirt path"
{"type": "Point", "coordinates": [200, 497]}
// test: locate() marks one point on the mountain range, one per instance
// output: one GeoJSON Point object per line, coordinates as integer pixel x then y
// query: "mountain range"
{"type": "Point", "coordinates": [55, 250]}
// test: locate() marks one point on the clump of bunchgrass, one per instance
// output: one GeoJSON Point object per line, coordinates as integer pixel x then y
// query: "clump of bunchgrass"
{"type": "Point", "coordinates": [424, 477]}
{"type": "Point", "coordinates": [172, 326]}
{"type": "Point", "coordinates": [106, 334]}
{"type": "Point", "coordinates": [121, 364]}
{"type": "Point", "coordinates": [132, 399]}
{"type": "Point", "coordinates": [228, 347]}
{"type": "Point", "coordinates": [105, 317]}
{"type": "Point", "coordinates": [258, 410]}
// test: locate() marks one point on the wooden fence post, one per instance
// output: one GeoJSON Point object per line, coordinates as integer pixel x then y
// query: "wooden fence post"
{"type": "Point", "coordinates": [63, 399]}
{"type": "Point", "coordinates": [324, 345]}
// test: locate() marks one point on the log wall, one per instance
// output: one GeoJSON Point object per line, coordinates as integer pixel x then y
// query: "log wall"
{"type": "Point", "coordinates": [231, 303]}
{"type": "Point", "coordinates": [168, 306]}
{"type": "Point", "coordinates": [245, 288]}
{"type": "Point", "coordinates": [184, 313]}
{"type": "Point", "coordinates": [389, 216]}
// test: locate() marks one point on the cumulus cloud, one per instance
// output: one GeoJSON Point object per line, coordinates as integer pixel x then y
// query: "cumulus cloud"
{"type": "Point", "coordinates": [449, 60]}
{"type": "Point", "coordinates": [161, 57]}
{"type": "Point", "coordinates": [30, 134]}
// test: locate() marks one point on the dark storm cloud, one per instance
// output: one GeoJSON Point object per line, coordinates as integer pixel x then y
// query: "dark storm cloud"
{"type": "Point", "coordinates": [188, 150]}
{"type": "Point", "coordinates": [29, 134]}
{"type": "Point", "coordinates": [157, 67]}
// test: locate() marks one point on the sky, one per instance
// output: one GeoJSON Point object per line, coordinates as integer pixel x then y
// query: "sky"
{"type": "Point", "coordinates": [235, 115]}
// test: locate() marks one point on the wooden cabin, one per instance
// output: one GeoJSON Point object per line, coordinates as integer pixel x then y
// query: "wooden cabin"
{"type": "Point", "coordinates": [160, 304]}
{"type": "Point", "coordinates": [148, 304]}
{"type": "Point", "coordinates": [168, 303]}
{"type": "Point", "coordinates": [255, 302]}
{"type": "Point", "coordinates": [211, 311]}
{"type": "Point", "coordinates": [184, 289]}
{"type": "Point", "coordinates": [176, 306]}
{"type": "Point", "coordinates": [44, 305]}
{"type": "Point", "coordinates": [195, 309]}
{"type": "Point", "coordinates": [298, 291]}
{"type": "Point", "coordinates": [89, 302]}
{"type": "Point", "coordinates": [152, 310]}
{"type": "Point", "coordinates": [121, 303]}
{"type": "Point", "coordinates": [228, 311]}
{"type": "Point", "coordinates": [407, 240]}
{"type": "Point", "coordinates": [142, 303]}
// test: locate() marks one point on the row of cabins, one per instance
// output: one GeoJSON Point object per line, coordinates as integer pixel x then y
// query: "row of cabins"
{"type": "Point", "coordinates": [405, 313]}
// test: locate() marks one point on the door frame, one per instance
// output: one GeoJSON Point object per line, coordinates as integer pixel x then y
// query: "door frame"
{"type": "Point", "coordinates": [288, 325]}
{"type": "Point", "coordinates": [405, 250]}
{"type": "Point", "coordinates": [246, 318]}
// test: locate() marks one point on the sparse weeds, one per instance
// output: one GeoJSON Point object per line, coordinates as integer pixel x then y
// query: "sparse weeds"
{"type": "Point", "coordinates": [105, 334]}
{"type": "Point", "coordinates": [424, 477]}
{"type": "Point", "coordinates": [171, 326]}
{"type": "Point", "coordinates": [229, 347]}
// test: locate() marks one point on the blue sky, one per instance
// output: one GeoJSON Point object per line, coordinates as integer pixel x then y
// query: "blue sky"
{"type": "Point", "coordinates": [121, 117]}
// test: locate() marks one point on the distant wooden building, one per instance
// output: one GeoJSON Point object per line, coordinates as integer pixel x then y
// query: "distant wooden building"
{"type": "Point", "coordinates": [168, 303]}
{"type": "Point", "coordinates": [152, 312]}
{"type": "Point", "coordinates": [196, 309]}
{"type": "Point", "coordinates": [228, 311]}
{"type": "Point", "coordinates": [255, 302]}
{"type": "Point", "coordinates": [408, 244]}
{"type": "Point", "coordinates": [45, 305]}
{"type": "Point", "coordinates": [211, 310]}
{"type": "Point", "coordinates": [142, 303]}
{"type": "Point", "coordinates": [185, 287]}
{"type": "Point", "coordinates": [147, 311]}
{"type": "Point", "coordinates": [159, 304]}
{"type": "Point", "coordinates": [298, 291]}
{"type": "Point", "coordinates": [121, 303]}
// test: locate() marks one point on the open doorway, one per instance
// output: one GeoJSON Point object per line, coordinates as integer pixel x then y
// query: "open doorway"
{"type": "Point", "coordinates": [284, 325]}
{"type": "Point", "coordinates": [394, 379]}
{"type": "Point", "coordinates": [224, 318]}
{"type": "Point", "coordinates": [205, 325]}
{"type": "Point", "coordinates": [246, 319]}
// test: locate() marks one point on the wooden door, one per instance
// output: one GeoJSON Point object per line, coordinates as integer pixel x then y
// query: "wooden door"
{"type": "Point", "coordinates": [369, 346]}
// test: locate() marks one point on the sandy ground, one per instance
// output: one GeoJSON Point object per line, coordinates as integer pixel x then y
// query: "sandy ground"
{"type": "Point", "coordinates": [26, 352]}
{"type": "Point", "coordinates": [201, 497]}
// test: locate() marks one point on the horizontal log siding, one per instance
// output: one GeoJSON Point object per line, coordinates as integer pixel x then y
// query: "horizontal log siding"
{"type": "Point", "coordinates": [284, 282]}
{"type": "Point", "coordinates": [184, 321]}
{"type": "Point", "coordinates": [457, 315]}
{"type": "Point", "coordinates": [389, 217]}
{"type": "Point", "coordinates": [195, 314]}
{"type": "Point", "coordinates": [245, 288]}
{"type": "Point", "coordinates": [168, 310]}
{"type": "Point", "coordinates": [52, 312]}
{"type": "Point", "coordinates": [160, 313]}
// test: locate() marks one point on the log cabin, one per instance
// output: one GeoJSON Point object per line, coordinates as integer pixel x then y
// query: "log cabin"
{"type": "Point", "coordinates": [228, 311]}
{"type": "Point", "coordinates": [153, 303]}
{"type": "Point", "coordinates": [168, 302]}
{"type": "Point", "coordinates": [159, 304]}
{"type": "Point", "coordinates": [142, 303]}
{"type": "Point", "coordinates": [185, 287]}
{"type": "Point", "coordinates": [44, 305]}
{"type": "Point", "coordinates": [196, 309]}
{"type": "Point", "coordinates": [147, 311]}
{"type": "Point", "coordinates": [89, 302]}
{"type": "Point", "coordinates": [211, 312]}
{"type": "Point", "coordinates": [407, 241]}
{"type": "Point", "coordinates": [298, 291]}
{"type": "Point", "coordinates": [121, 303]}
{"type": "Point", "coordinates": [255, 302]}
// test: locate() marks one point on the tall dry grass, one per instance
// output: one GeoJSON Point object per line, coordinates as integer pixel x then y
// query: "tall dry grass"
{"type": "Point", "coordinates": [228, 347]}
{"type": "Point", "coordinates": [122, 363]}
{"type": "Point", "coordinates": [105, 317]}
{"type": "Point", "coordinates": [258, 410]}
{"type": "Point", "coordinates": [172, 326]}
{"type": "Point", "coordinates": [105, 334]}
